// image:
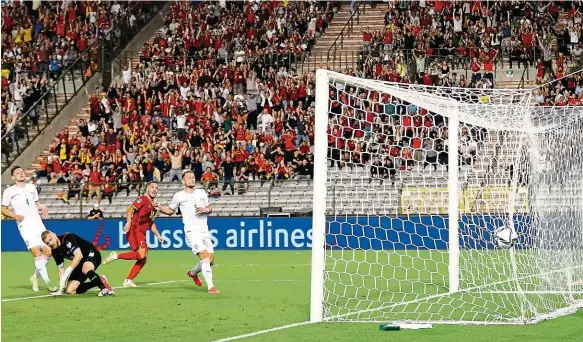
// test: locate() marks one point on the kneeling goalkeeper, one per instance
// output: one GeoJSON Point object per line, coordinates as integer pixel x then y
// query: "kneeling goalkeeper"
{"type": "Point", "coordinates": [85, 259]}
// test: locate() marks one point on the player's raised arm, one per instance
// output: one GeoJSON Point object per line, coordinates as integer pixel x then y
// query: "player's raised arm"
{"type": "Point", "coordinates": [166, 210]}
{"type": "Point", "coordinates": [172, 206]}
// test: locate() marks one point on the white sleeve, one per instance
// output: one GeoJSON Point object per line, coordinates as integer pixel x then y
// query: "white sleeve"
{"type": "Point", "coordinates": [34, 193]}
{"type": "Point", "coordinates": [6, 197]}
{"type": "Point", "coordinates": [206, 198]}
{"type": "Point", "coordinates": [174, 202]}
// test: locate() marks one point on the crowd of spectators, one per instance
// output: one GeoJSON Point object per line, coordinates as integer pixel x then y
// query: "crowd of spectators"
{"type": "Point", "coordinates": [46, 36]}
{"type": "Point", "coordinates": [39, 41]}
{"type": "Point", "coordinates": [199, 99]}
{"type": "Point", "coordinates": [435, 43]}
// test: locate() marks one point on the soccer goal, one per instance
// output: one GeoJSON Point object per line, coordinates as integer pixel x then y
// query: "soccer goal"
{"type": "Point", "coordinates": [410, 183]}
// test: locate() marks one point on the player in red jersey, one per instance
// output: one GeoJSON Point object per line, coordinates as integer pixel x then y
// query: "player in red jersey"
{"type": "Point", "coordinates": [140, 218]}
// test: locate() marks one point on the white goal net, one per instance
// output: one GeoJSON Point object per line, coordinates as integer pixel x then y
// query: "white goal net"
{"type": "Point", "coordinates": [410, 183]}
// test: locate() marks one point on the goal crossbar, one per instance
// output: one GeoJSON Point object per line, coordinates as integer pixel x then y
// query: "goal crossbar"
{"type": "Point", "coordinates": [405, 251]}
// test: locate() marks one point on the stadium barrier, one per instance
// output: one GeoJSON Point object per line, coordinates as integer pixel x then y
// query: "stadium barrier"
{"type": "Point", "coordinates": [411, 233]}
{"type": "Point", "coordinates": [473, 199]}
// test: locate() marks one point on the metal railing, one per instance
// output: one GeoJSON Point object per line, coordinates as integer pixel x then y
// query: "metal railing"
{"type": "Point", "coordinates": [356, 60]}
{"type": "Point", "coordinates": [302, 63]}
{"type": "Point", "coordinates": [65, 84]}
{"type": "Point", "coordinates": [535, 53]}
{"type": "Point", "coordinates": [66, 201]}
{"type": "Point", "coordinates": [309, 62]}
{"type": "Point", "coordinates": [347, 30]}
{"type": "Point", "coordinates": [291, 60]}
{"type": "Point", "coordinates": [525, 77]}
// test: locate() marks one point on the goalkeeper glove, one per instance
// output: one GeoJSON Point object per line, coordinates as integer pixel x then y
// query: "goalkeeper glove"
{"type": "Point", "coordinates": [64, 278]}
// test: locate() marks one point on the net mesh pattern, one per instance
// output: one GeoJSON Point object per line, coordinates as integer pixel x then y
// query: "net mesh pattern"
{"type": "Point", "coordinates": [387, 202]}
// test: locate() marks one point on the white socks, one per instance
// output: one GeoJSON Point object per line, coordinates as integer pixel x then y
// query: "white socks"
{"type": "Point", "coordinates": [207, 272]}
{"type": "Point", "coordinates": [41, 268]}
{"type": "Point", "coordinates": [196, 270]}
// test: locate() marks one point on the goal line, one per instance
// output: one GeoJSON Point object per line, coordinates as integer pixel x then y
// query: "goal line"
{"type": "Point", "coordinates": [531, 292]}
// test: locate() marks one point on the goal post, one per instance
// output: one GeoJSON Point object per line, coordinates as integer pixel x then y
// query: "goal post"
{"type": "Point", "coordinates": [411, 181]}
{"type": "Point", "coordinates": [453, 208]}
{"type": "Point", "coordinates": [319, 203]}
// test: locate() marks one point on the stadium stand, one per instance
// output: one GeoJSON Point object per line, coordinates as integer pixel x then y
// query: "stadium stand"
{"type": "Point", "coordinates": [49, 50]}
{"type": "Point", "coordinates": [206, 98]}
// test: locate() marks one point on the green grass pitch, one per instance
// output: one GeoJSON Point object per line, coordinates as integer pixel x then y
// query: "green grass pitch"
{"type": "Point", "coordinates": [260, 290]}
{"type": "Point", "coordinates": [371, 285]}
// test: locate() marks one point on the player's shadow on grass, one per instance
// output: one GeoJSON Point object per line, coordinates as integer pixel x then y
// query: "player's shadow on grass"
{"type": "Point", "coordinates": [27, 287]}
{"type": "Point", "coordinates": [181, 288]}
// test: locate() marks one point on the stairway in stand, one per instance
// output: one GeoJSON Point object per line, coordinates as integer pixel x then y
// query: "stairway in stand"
{"type": "Point", "coordinates": [347, 49]}
{"type": "Point", "coordinates": [57, 99]}
{"type": "Point", "coordinates": [72, 127]}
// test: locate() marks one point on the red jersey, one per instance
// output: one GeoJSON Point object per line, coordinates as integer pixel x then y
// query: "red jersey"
{"type": "Point", "coordinates": [143, 216]}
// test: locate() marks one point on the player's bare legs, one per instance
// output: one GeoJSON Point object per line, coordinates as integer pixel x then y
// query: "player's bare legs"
{"type": "Point", "coordinates": [195, 207]}
{"type": "Point", "coordinates": [94, 280]}
{"type": "Point", "coordinates": [140, 217]}
{"type": "Point", "coordinates": [23, 210]}
{"type": "Point", "coordinates": [41, 258]}
{"type": "Point", "coordinates": [205, 266]}
{"type": "Point", "coordinates": [141, 257]}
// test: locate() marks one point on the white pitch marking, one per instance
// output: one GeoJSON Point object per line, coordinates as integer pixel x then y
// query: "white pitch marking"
{"type": "Point", "coordinates": [238, 337]}
{"type": "Point", "coordinates": [530, 292]}
{"type": "Point", "coordinates": [254, 265]}
{"type": "Point", "coordinates": [160, 283]}
{"type": "Point", "coordinates": [115, 288]}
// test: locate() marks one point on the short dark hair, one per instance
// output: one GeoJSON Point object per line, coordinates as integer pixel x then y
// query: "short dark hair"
{"type": "Point", "coordinates": [44, 235]}
{"type": "Point", "coordinates": [187, 171]}
{"type": "Point", "coordinates": [14, 169]}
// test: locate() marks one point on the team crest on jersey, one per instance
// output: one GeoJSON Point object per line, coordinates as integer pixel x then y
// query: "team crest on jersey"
{"type": "Point", "coordinates": [68, 244]}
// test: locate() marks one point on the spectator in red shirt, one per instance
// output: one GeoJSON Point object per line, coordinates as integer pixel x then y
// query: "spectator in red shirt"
{"type": "Point", "coordinates": [95, 181]}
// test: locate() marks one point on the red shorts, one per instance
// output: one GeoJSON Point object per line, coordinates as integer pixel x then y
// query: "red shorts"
{"type": "Point", "coordinates": [136, 239]}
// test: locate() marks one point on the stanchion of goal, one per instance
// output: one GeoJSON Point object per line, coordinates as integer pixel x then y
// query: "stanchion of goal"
{"type": "Point", "coordinates": [405, 326]}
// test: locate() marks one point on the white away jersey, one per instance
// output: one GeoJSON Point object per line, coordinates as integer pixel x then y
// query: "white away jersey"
{"type": "Point", "coordinates": [188, 203]}
{"type": "Point", "coordinates": [23, 202]}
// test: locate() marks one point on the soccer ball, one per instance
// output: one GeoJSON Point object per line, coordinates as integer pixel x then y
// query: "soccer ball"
{"type": "Point", "coordinates": [503, 237]}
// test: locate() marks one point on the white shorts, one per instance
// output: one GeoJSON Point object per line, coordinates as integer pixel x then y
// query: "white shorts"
{"type": "Point", "coordinates": [198, 241]}
{"type": "Point", "coordinates": [31, 234]}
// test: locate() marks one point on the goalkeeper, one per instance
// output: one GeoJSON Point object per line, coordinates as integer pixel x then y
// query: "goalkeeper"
{"type": "Point", "coordinates": [80, 276]}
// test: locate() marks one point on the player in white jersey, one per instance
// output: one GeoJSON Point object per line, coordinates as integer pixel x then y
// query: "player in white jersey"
{"type": "Point", "coordinates": [194, 206]}
{"type": "Point", "coordinates": [23, 198]}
